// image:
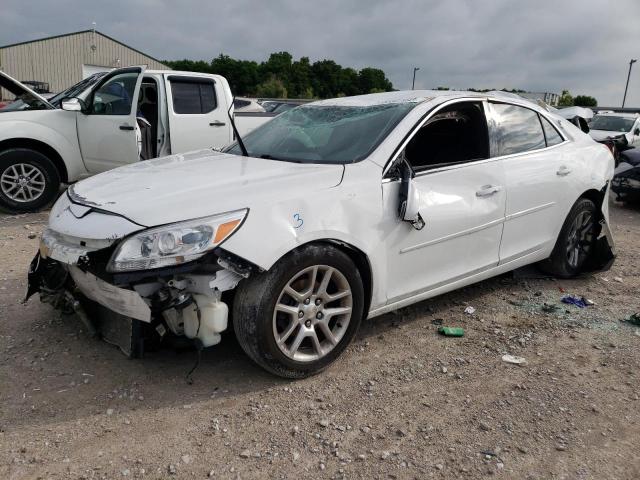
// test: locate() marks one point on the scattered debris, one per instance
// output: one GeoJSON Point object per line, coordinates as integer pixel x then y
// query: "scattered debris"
{"type": "Point", "coordinates": [470, 310]}
{"type": "Point", "coordinates": [451, 331]}
{"type": "Point", "coordinates": [550, 307]}
{"type": "Point", "coordinates": [573, 300]}
{"type": "Point", "coordinates": [633, 319]}
{"type": "Point", "coordinates": [617, 279]}
{"type": "Point", "coordinates": [514, 360]}
{"type": "Point", "coordinates": [437, 321]}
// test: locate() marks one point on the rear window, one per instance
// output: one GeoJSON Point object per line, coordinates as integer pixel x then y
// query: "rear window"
{"type": "Point", "coordinates": [519, 129]}
{"type": "Point", "coordinates": [193, 96]}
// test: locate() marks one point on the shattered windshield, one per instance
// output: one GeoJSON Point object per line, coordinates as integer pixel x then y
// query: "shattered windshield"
{"type": "Point", "coordinates": [611, 123]}
{"type": "Point", "coordinates": [324, 133]}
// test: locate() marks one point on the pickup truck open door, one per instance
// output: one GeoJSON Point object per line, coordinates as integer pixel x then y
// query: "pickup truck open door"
{"type": "Point", "coordinates": [107, 126]}
{"type": "Point", "coordinates": [197, 108]}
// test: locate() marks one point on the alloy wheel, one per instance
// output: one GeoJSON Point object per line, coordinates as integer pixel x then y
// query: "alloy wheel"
{"type": "Point", "coordinates": [22, 182]}
{"type": "Point", "coordinates": [580, 239]}
{"type": "Point", "coordinates": [312, 313]}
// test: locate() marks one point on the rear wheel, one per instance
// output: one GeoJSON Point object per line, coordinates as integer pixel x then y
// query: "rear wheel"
{"type": "Point", "coordinates": [575, 242]}
{"type": "Point", "coordinates": [28, 180]}
{"type": "Point", "coordinates": [298, 317]}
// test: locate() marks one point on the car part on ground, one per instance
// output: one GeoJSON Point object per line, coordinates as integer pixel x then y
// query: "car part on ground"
{"type": "Point", "coordinates": [626, 179]}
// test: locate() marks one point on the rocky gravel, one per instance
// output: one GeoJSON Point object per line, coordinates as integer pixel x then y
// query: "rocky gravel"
{"type": "Point", "coordinates": [402, 402]}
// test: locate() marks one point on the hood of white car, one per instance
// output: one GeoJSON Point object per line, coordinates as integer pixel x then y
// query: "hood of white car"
{"type": "Point", "coordinates": [20, 90]}
{"type": "Point", "coordinates": [599, 135]}
{"type": "Point", "coordinates": [198, 184]}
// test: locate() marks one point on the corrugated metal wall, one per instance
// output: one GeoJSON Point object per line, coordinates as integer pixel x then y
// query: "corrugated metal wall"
{"type": "Point", "coordinates": [58, 61]}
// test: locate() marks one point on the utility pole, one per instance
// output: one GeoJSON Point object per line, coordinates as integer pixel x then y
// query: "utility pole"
{"type": "Point", "coordinates": [627, 85]}
{"type": "Point", "coordinates": [415, 69]}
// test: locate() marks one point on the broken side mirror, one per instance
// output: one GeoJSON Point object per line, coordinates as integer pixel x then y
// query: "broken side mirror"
{"type": "Point", "coordinates": [408, 208]}
{"type": "Point", "coordinates": [72, 104]}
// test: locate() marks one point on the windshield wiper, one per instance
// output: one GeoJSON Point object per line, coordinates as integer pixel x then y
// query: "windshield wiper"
{"type": "Point", "coordinates": [235, 130]}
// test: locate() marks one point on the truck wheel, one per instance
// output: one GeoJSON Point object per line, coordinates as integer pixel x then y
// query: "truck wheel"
{"type": "Point", "coordinates": [297, 318]}
{"type": "Point", "coordinates": [575, 242]}
{"type": "Point", "coordinates": [28, 180]}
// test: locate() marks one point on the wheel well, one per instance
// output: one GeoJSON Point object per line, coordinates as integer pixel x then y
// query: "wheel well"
{"type": "Point", "coordinates": [362, 263]}
{"type": "Point", "coordinates": [595, 196]}
{"type": "Point", "coordinates": [41, 147]}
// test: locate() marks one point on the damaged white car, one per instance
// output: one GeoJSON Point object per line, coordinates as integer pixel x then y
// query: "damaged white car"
{"type": "Point", "coordinates": [333, 212]}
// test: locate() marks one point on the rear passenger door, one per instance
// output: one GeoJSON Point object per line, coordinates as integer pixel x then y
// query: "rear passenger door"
{"type": "Point", "coordinates": [536, 173]}
{"type": "Point", "coordinates": [197, 114]}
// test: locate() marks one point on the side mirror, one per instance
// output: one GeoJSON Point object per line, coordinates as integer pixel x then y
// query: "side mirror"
{"type": "Point", "coordinates": [408, 208]}
{"type": "Point", "coordinates": [636, 131]}
{"type": "Point", "coordinates": [72, 104]}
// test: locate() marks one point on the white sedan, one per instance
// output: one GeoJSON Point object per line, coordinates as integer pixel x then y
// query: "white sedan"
{"type": "Point", "coordinates": [333, 212]}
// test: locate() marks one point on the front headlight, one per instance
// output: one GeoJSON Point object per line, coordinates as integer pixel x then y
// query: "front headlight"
{"type": "Point", "coordinates": [175, 243]}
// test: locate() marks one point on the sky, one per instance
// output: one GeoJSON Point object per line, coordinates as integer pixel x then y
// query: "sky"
{"type": "Point", "coordinates": [536, 45]}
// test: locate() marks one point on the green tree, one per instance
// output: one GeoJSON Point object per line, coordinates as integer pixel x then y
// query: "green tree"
{"type": "Point", "coordinates": [300, 79]}
{"type": "Point", "coordinates": [566, 99]}
{"type": "Point", "coordinates": [373, 79]}
{"type": "Point", "coordinates": [273, 87]}
{"type": "Point", "coordinates": [326, 78]}
{"type": "Point", "coordinates": [585, 101]}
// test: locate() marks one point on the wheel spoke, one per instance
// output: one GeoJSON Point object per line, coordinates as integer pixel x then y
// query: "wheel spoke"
{"type": "Point", "coordinates": [297, 341]}
{"type": "Point", "coordinates": [288, 309]}
{"type": "Point", "coordinates": [316, 343]}
{"type": "Point", "coordinates": [287, 333]}
{"type": "Point", "coordinates": [322, 289]}
{"type": "Point", "coordinates": [294, 293]}
{"type": "Point", "coordinates": [324, 326]}
{"type": "Point", "coordinates": [332, 312]}
{"type": "Point", "coordinates": [337, 296]}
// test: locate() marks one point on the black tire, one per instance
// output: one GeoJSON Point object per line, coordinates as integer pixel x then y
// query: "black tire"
{"type": "Point", "coordinates": [255, 303]}
{"type": "Point", "coordinates": [47, 171]}
{"type": "Point", "coordinates": [560, 262]}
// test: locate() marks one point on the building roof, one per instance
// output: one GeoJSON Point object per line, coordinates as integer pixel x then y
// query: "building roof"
{"type": "Point", "coordinates": [78, 33]}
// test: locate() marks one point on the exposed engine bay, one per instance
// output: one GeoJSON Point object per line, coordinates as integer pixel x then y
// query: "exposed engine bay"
{"type": "Point", "coordinates": [138, 311]}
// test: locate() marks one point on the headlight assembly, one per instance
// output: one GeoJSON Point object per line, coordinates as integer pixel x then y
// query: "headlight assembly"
{"type": "Point", "coordinates": [175, 243]}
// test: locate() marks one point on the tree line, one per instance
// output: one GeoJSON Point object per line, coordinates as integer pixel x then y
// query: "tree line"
{"type": "Point", "coordinates": [282, 77]}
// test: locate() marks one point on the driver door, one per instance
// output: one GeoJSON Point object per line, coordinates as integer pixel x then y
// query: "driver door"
{"type": "Point", "coordinates": [460, 195]}
{"type": "Point", "coordinates": [107, 129]}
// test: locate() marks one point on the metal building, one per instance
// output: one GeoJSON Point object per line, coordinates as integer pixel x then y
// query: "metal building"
{"type": "Point", "coordinates": [63, 60]}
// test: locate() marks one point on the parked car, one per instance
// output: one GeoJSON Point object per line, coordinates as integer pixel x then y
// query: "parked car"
{"type": "Point", "coordinates": [105, 121]}
{"type": "Point", "coordinates": [626, 179]}
{"type": "Point", "coordinates": [247, 105]}
{"type": "Point", "coordinates": [333, 212]}
{"type": "Point", "coordinates": [616, 126]}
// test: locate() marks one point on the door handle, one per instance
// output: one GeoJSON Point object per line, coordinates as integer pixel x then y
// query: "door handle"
{"type": "Point", "coordinates": [126, 127]}
{"type": "Point", "coordinates": [488, 190]}
{"type": "Point", "coordinates": [217, 124]}
{"type": "Point", "coordinates": [563, 171]}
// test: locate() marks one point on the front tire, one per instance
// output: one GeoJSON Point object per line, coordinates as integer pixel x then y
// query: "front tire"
{"type": "Point", "coordinates": [28, 180]}
{"type": "Point", "coordinates": [298, 317]}
{"type": "Point", "coordinates": [576, 241]}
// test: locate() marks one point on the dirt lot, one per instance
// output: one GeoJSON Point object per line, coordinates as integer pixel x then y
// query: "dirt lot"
{"type": "Point", "coordinates": [402, 402]}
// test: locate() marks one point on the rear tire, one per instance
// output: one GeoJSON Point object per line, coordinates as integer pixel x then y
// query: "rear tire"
{"type": "Point", "coordinates": [576, 241]}
{"type": "Point", "coordinates": [29, 180]}
{"type": "Point", "coordinates": [285, 319]}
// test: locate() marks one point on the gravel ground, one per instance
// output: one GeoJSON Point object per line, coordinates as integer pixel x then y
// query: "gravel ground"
{"type": "Point", "coordinates": [402, 402]}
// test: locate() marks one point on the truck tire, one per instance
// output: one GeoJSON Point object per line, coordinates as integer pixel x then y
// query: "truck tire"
{"type": "Point", "coordinates": [575, 242]}
{"type": "Point", "coordinates": [28, 180]}
{"type": "Point", "coordinates": [298, 317]}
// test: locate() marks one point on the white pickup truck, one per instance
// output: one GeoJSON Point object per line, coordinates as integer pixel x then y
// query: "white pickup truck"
{"type": "Point", "coordinates": [93, 126]}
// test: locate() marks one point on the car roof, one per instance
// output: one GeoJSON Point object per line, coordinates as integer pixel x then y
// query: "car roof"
{"type": "Point", "coordinates": [419, 96]}
{"type": "Point", "coordinates": [614, 114]}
